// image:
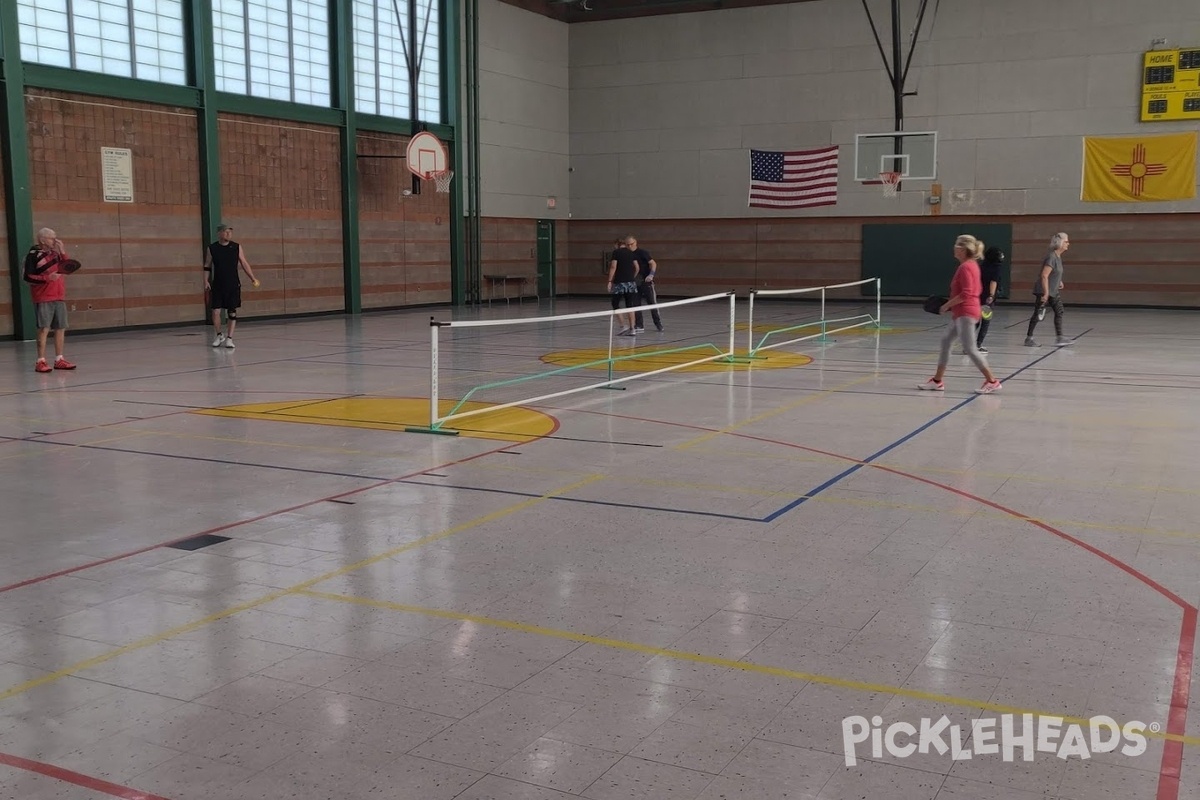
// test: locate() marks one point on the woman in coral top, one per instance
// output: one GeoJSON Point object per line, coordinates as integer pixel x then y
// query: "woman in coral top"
{"type": "Point", "coordinates": [964, 307]}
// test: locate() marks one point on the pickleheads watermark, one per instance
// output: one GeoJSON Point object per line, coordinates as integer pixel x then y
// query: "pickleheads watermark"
{"type": "Point", "coordinates": [1008, 739]}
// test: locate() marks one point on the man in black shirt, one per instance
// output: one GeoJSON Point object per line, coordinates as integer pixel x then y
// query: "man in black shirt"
{"type": "Point", "coordinates": [221, 262]}
{"type": "Point", "coordinates": [645, 285]}
{"type": "Point", "coordinates": [622, 285]}
{"type": "Point", "coordinates": [619, 244]}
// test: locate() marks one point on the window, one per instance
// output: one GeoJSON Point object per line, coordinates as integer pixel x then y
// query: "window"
{"type": "Point", "coordinates": [45, 35]}
{"type": "Point", "coordinates": [132, 38]}
{"type": "Point", "coordinates": [273, 48]}
{"type": "Point", "coordinates": [383, 45]}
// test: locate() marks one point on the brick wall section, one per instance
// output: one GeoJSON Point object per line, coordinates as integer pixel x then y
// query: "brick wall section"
{"type": "Point", "coordinates": [510, 248]}
{"type": "Point", "coordinates": [6, 309]}
{"type": "Point", "coordinates": [1120, 259]}
{"type": "Point", "coordinates": [281, 192]}
{"type": "Point", "coordinates": [140, 259]}
{"type": "Point", "coordinates": [404, 242]}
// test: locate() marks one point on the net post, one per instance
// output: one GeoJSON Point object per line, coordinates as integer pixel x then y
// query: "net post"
{"type": "Point", "coordinates": [433, 374]}
{"type": "Point", "coordinates": [823, 337]}
{"type": "Point", "coordinates": [750, 354]}
{"type": "Point", "coordinates": [611, 324]}
{"type": "Point", "coordinates": [732, 322]}
{"type": "Point", "coordinates": [731, 357]}
{"type": "Point", "coordinates": [878, 304]}
{"type": "Point", "coordinates": [434, 401]}
{"type": "Point", "coordinates": [612, 321]}
{"type": "Point", "coordinates": [750, 325]}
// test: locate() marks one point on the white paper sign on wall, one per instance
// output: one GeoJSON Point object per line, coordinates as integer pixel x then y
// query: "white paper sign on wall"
{"type": "Point", "coordinates": [117, 168]}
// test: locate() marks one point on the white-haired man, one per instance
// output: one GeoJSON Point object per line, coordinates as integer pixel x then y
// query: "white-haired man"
{"type": "Point", "coordinates": [1047, 291]}
{"type": "Point", "coordinates": [43, 273]}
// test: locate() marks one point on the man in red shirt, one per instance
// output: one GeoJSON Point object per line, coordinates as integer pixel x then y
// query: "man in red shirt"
{"type": "Point", "coordinates": [47, 284]}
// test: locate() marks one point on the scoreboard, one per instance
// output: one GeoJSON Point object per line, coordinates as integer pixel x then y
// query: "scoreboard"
{"type": "Point", "coordinates": [1171, 85]}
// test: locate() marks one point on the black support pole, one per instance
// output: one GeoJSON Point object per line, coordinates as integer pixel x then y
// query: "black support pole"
{"type": "Point", "coordinates": [897, 78]}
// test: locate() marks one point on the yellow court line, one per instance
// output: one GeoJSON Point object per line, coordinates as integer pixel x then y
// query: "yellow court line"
{"type": "Point", "coordinates": [1015, 476]}
{"type": "Point", "coordinates": [1000, 515]}
{"type": "Point", "coordinates": [717, 661]}
{"type": "Point", "coordinates": [828, 497]}
{"type": "Point", "coordinates": [290, 445]}
{"type": "Point", "coordinates": [812, 398]}
{"type": "Point", "coordinates": [129, 434]}
{"type": "Point", "coordinates": [819, 395]}
{"type": "Point", "coordinates": [298, 588]}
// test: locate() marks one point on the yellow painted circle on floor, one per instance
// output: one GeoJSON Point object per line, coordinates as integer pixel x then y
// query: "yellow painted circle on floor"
{"type": "Point", "coordinates": [652, 357]}
{"type": "Point", "coordinates": [397, 414]}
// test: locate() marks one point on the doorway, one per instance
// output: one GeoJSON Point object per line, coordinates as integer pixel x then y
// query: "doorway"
{"type": "Point", "coordinates": [545, 258]}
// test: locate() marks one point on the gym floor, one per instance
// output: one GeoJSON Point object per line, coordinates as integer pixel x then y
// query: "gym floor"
{"type": "Point", "coordinates": [233, 574]}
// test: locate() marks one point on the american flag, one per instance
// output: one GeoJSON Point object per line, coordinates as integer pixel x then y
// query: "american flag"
{"type": "Point", "coordinates": [794, 179]}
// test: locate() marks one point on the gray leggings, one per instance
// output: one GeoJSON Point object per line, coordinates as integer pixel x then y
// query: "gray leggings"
{"type": "Point", "coordinates": [964, 329]}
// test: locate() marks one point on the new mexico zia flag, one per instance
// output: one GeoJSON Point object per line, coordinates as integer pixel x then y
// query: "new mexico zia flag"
{"type": "Point", "coordinates": [1139, 168]}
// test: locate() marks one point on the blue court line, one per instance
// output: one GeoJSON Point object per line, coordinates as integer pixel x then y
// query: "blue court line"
{"type": "Point", "coordinates": [902, 440]}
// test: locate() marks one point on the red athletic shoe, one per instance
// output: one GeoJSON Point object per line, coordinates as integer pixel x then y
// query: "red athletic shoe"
{"type": "Point", "coordinates": [62, 363]}
{"type": "Point", "coordinates": [42, 366]}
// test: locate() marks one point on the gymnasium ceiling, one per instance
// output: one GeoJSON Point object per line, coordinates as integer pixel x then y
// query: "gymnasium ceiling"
{"type": "Point", "coordinates": [596, 10]}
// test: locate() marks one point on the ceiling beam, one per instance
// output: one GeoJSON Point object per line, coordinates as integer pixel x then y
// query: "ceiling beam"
{"type": "Point", "coordinates": [597, 10]}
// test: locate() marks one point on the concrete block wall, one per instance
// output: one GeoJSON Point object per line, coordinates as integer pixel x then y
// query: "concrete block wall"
{"type": "Point", "coordinates": [509, 247]}
{"type": "Point", "coordinates": [281, 191]}
{"type": "Point", "coordinates": [404, 241]}
{"type": "Point", "coordinates": [665, 109]}
{"type": "Point", "coordinates": [524, 113]}
{"type": "Point", "coordinates": [141, 260]}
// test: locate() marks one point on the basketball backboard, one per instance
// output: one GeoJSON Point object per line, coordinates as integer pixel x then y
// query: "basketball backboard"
{"type": "Point", "coordinates": [426, 156]}
{"type": "Point", "coordinates": [911, 153]}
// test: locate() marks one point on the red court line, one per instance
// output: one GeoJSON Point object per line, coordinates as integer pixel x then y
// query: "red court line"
{"type": "Point", "coordinates": [1171, 767]}
{"type": "Point", "coordinates": [1171, 770]}
{"type": "Point", "coordinates": [239, 523]}
{"type": "Point", "coordinates": [86, 781]}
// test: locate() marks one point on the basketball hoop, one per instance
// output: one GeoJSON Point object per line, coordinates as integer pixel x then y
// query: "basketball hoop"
{"type": "Point", "coordinates": [891, 183]}
{"type": "Point", "coordinates": [442, 179]}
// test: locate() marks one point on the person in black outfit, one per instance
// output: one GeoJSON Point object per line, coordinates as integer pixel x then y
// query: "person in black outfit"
{"type": "Point", "coordinates": [622, 285]}
{"type": "Point", "coordinates": [221, 281]}
{"type": "Point", "coordinates": [618, 244]}
{"type": "Point", "coordinates": [989, 274]}
{"type": "Point", "coordinates": [645, 286]}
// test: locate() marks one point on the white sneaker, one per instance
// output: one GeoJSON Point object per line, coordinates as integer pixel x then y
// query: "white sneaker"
{"type": "Point", "coordinates": [220, 340]}
{"type": "Point", "coordinates": [229, 344]}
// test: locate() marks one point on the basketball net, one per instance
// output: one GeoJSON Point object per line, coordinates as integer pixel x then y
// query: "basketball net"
{"type": "Point", "coordinates": [891, 183]}
{"type": "Point", "coordinates": [442, 179]}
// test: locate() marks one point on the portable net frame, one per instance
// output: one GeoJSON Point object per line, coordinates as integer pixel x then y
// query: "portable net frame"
{"type": "Point", "coordinates": [462, 352]}
{"type": "Point", "coordinates": [819, 329]}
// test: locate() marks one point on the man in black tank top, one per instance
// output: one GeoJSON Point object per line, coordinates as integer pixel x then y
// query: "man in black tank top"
{"type": "Point", "coordinates": [221, 262]}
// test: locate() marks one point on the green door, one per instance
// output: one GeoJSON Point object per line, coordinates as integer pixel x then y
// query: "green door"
{"type": "Point", "coordinates": [545, 257]}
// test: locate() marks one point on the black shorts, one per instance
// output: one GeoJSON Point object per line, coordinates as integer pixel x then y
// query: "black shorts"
{"type": "Point", "coordinates": [627, 292]}
{"type": "Point", "coordinates": [226, 297]}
